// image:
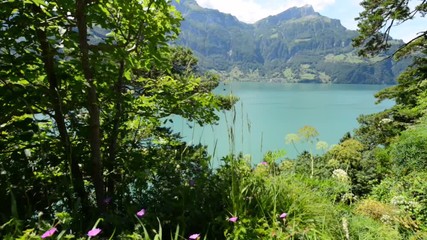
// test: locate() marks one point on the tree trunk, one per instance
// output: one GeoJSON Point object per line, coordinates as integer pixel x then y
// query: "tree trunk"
{"type": "Point", "coordinates": [112, 151]}
{"type": "Point", "coordinates": [93, 107]}
{"type": "Point", "coordinates": [55, 99]}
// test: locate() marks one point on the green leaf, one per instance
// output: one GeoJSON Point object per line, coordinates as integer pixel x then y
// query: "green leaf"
{"type": "Point", "coordinates": [39, 2]}
{"type": "Point", "coordinates": [127, 74]}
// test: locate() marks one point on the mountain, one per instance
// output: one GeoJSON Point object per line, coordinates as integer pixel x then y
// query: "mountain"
{"type": "Point", "coordinates": [297, 45]}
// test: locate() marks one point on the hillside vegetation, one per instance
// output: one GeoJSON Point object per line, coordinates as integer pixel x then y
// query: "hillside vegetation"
{"type": "Point", "coordinates": [297, 45]}
{"type": "Point", "coordinates": [84, 153]}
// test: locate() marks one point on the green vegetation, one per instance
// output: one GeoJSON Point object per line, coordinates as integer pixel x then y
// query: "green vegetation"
{"type": "Point", "coordinates": [84, 152]}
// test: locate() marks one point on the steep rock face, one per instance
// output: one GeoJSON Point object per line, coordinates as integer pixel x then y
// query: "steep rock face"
{"type": "Point", "coordinates": [312, 32]}
{"type": "Point", "coordinates": [292, 13]}
{"type": "Point", "coordinates": [216, 38]}
{"type": "Point", "coordinates": [297, 45]}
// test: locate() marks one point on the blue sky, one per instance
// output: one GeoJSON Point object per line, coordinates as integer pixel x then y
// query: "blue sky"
{"type": "Point", "coordinates": [345, 10]}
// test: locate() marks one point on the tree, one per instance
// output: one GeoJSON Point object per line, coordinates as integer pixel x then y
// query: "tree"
{"type": "Point", "coordinates": [375, 24]}
{"type": "Point", "coordinates": [84, 88]}
{"type": "Point", "coordinates": [379, 17]}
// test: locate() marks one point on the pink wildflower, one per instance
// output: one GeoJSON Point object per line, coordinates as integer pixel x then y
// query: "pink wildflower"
{"type": "Point", "coordinates": [283, 215]}
{"type": "Point", "coordinates": [94, 232]}
{"type": "Point", "coordinates": [194, 236]}
{"type": "Point", "coordinates": [107, 200]}
{"type": "Point", "coordinates": [233, 219]}
{"type": "Point", "coordinates": [49, 232]}
{"type": "Point", "coordinates": [141, 213]}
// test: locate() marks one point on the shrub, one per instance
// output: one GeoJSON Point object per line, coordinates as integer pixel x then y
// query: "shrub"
{"type": "Point", "coordinates": [375, 209]}
{"type": "Point", "coordinates": [264, 193]}
{"type": "Point", "coordinates": [366, 228]}
{"type": "Point", "coordinates": [409, 152]}
{"type": "Point", "coordinates": [408, 193]}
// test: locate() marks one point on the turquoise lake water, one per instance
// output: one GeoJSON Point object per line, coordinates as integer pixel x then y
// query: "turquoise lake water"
{"type": "Point", "coordinates": [267, 112]}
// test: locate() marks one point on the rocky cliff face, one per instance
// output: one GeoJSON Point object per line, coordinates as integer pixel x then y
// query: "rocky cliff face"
{"type": "Point", "coordinates": [297, 45]}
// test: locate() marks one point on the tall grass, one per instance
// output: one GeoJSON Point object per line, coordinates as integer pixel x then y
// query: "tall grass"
{"type": "Point", "coordinates": [265, 193]}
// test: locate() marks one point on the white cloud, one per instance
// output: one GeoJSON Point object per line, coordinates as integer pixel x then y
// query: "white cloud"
{"type": "Point", "coordinates": [246, 11]}
{"type": "Point", "coordinates": [252, 10]}
{"type": "Point", "coordinates": [318, 5]}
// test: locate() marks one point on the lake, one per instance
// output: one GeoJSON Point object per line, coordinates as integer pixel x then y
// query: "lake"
{"type": "Point", "coordinates": [267, 112]}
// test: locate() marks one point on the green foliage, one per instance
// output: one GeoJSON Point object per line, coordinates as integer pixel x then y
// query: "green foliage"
{"type": "Point", "coordinates": [84, 89]}
{"type": "Point", "coordinates": [407, 193]}
{"type": "Point", "coordinates": [409, 151]}
{"type": "Point", "coordinates": [364, 168]}
{"type": "Point", "coordinates": [314, 207]}
{"type": "Point", "coordinates": [181, 189]}
{"type": "Point", "coordinates": [396, 137]}
{"type": "Point", "coordinates": [264, 192]}
{"type": "Point", "coordinates": [306, 134]}
{"type": "Point", "coordinates": [375, 23]}
{"type": "Point", "coordinates": [377, 20]}
{"type": "Point", "coordinates": [379, 129]}
{"type": "Point", "coordinates": [362, 227]}
{"type": "Point", "coordinates": [348, 153]}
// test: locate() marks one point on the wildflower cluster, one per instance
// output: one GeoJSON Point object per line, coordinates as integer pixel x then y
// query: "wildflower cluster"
{"type": "Point", "coordinates": [340, 175]}
{"type": "Point", "coordinates": [94, 231]}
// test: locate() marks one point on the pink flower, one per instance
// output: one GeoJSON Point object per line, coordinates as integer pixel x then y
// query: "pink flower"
{"type": "Point", "coordinates": [194, 236]}
{"type": "Point", "coordinates": [49, 232]}
{"type": "Point", "coordinates": [94, 232]}
{"type": "Point", "coordinates": [264, 163]}
{"type": "Point", "coordinates": [233, 219]}
{"type": "Point", "coordinates": [283, 215]}
{"type": "Point", "coordinates": [141, 213]}
{"type": "Point", "coordinates": [107, 200]}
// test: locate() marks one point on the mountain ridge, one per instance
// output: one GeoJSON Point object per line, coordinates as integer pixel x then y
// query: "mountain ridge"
{"type": "Point", "coordinates": [291, 13]}
{"type": "Point", "coordinates": [296, 45]}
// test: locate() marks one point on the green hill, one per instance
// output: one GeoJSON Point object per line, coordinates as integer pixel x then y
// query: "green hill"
{"type": "Point", "coordinates": [297, 45]}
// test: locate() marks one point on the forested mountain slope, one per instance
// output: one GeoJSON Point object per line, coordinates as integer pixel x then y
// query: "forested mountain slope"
{"type": "Point", "coordinates": [297, 45]}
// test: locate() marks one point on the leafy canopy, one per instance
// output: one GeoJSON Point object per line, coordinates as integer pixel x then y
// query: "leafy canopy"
{"type": "Point", "coordinates": [85, 86]}
{"type": "Point", "coordinates": [375, 24]}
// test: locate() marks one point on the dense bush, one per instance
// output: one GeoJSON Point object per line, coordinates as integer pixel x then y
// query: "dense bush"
{"type": "Point", "coordinates": [409, 152]}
